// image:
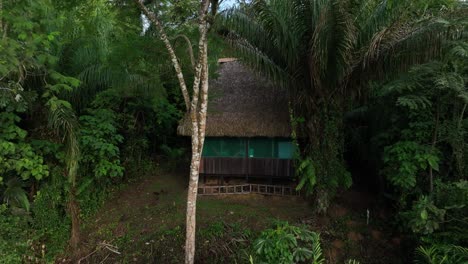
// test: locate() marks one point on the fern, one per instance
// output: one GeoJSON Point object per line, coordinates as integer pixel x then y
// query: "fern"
{"type": "Point", "coordinates": [441, 254]}
{"type": "Point", "coordinates": [305, 171]}
{"type": "Point", "coordinates": [15, 194]}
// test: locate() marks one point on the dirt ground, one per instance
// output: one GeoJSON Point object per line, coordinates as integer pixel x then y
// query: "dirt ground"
{"type": "Point", "coordinates": [144, 223]}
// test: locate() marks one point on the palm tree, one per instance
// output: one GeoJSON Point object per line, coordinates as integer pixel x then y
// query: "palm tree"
{"type": "Point", "coordinates": [103, 52]}
{"type": "Point", "coordinates": [63, 121]}
{"type": "Point", "coordinates": [325, 52]}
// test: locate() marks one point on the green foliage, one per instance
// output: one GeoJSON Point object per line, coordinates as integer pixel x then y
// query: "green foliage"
{"type": "Point", "coordinates": [306, 173]}
{"type": "Point", "coordinates": [15, 195]}
{"type": "Point", "coordinates": [28, 40]}
{"type": "Point", "coordinates": [430, 112]}
{"type": "Point", "coordinates": [55, 56]}
{"type": "Point", "coordinates": [424, 217]}
{"type": "Point", "coordinates": [440, 220]}
{"type": "Point", "coordinates": [441, 254]}
{"type": "Point", "coordinates": [50, 217]}
{"type": "Point", "coordinates": [405, 160]}
{"type": "Point", "coordinates": [412, 132]}
{"type": "Point", "coordinates": [19, 163]}
{"type": "Point", "coordinates": [100, 161]}
{"type": "Point", "coordinates": [324, 53]}
{"type": "Point", "coordinates": [17, 156]}
{"type": "Point", "coordinates": [288, 244]}
{"type": "Point", "coordinates": [99, 140]}
{"type": "Point", "coordinates": [14, 236]}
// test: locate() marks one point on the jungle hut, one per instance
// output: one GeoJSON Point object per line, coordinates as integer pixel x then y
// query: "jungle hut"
{"type": "Point", "coordinates": [248, 131]}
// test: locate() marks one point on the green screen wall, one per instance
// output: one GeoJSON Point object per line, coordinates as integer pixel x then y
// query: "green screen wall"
{"type": "Point", "coordinates": [281, 148]}
{"type": "Point", "coordinates": [224, 147]}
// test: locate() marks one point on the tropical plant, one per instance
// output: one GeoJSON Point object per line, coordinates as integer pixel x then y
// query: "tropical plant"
{"type": "Point", "coordinates": [416, 132]}
{"type": "Point", "coordinates": [14, 234]}
{"type": "Point", "coordinates": [100, 165]}
{"type": "Point", "coordinates": [288, 244]}
{"type": "Point", "coordinates": [28, 66]}
{"type": "Point", "coordinates": [441, 254]}
{"type": "Point", "coordinates": [106, 52]}
{"type": "Point", "coordinates": [17, 156]}
{"type": "Point", "coordinates": [50, 122]}
{"type": "Point", "coordinates": [324, 52]}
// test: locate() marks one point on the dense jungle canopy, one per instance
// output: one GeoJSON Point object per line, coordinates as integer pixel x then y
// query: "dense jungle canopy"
{"type": "Point", "coordinates": [90, 103]}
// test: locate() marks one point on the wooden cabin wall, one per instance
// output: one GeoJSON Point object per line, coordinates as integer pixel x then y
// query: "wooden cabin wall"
{"type": "Point", "coordinates": [252, 167]}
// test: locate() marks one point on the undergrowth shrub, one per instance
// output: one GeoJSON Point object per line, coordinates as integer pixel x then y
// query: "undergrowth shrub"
{"type": "Point", "coordinates": [100, 165]}
{"type": "Point", "coordinates": [14, 236]}
{"type": "Point", "coordinates": [287, 244]}
{"type": "Point", "coordinates": [222, 242]}
{"type": "Point", "coordinates": [50, 219]}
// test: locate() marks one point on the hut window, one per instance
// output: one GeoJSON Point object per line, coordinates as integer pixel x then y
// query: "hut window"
{"type": "Point", "coordinates": [272, 148]}
{"type": "Point", "coordinates": [285, 149]}
{"type": "Point", "coordinates": [224, 147]}
{"type": "Point", "coordinates": [278, 148]}
{"type": "Point", "coordinates": [261, 148]}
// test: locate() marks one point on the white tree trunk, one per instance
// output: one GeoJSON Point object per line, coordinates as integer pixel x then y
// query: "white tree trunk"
{"type": "Point", "coordinates": [197, 108]}
{"type": "Point", "coordinates": [198, 138]}
{"type": "Point", "coordinates": [192, 208]}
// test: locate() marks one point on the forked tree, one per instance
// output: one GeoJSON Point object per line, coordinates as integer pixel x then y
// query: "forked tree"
{"type": "Point", "coordinates": [196, 107]}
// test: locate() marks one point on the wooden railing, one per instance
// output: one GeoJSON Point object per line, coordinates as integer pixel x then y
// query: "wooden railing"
{"type": "Point", "coordinates": [280, 190]}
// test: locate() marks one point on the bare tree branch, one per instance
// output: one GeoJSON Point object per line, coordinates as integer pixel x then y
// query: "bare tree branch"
{"type": "Point", "coordinates": [189, 48]}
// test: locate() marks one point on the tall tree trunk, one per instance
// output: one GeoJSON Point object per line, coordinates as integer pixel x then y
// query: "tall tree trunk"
{"type": "Point", "coordinates": [198, 139]}
{"type": "Point", "coordinates": [74, 209]}
{"type": "Point", "coordinates": [63, 120]}
{"type": "Point", "coordinates": [197, 107]}
{"type": "Point", "coordinates": [198, 116]}
{"type": "Point", "coordinates": [191, 207]}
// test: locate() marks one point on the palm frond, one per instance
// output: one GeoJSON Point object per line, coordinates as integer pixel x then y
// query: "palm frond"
{"type": "Point", "coordinates": [15, 194]}
{"type": "Point", "coordinates": [63, 120]}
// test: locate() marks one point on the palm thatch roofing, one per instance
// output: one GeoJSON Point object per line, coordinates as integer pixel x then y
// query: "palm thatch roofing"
{"type": "Point", "coordinates": [243, 104]}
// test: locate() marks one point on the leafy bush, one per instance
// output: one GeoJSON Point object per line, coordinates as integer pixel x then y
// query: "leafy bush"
{"type": "Point", "coordinates": [50, 218]}
{"type": "Point", "coordinates": [288, 244]}
{"type": "Point", "coordinates": [15, 236]}
{"type": "Point", "coordinates": [100, 161]}
{"type": "Point", "coordinates": [19, 162]}
{"type": "Point", "coordinates": [424, 217]}
{"type": "Point", "coordinates": [404, 160]}
{"type": "Point", "coordinates": [99, 141]}
{"type": "Point", "coordinates": [441, 222]}
{"type": "Point", "coordinates": [17, 156]}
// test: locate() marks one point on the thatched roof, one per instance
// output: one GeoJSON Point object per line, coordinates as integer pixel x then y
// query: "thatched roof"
{"type": "Point", "coordinates": [243, 104]}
